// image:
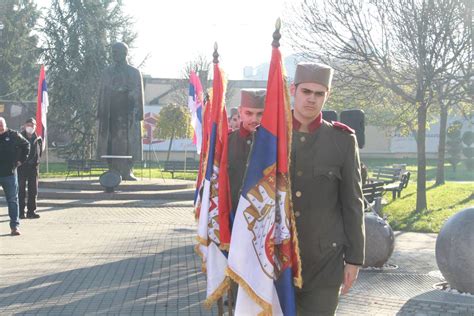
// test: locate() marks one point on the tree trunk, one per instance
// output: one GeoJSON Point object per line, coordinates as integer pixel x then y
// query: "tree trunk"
{"type": "Point", "coordinates": [421, 203]}
{"type": "Point", "coordinates": [169, 147]}
{"type": "Point", "coordinates": [443, 123]}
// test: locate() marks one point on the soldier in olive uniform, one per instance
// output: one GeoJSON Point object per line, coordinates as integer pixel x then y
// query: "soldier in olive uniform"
{"type": "Point", "coordinates": [240, 141]}
{"type": "Point", "coordinates": [327, 195]}
{"type": "Point", "coordinates": [251, 108]}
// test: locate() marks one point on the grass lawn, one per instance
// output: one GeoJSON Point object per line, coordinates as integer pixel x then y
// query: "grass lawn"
{"type": "Point", "coordinates": [461, 174]}
{"type": "Point", "coordinates": [443, 202]}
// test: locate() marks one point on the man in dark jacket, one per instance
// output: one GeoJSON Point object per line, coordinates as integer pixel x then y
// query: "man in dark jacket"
{"type": "Point", "coordinates": [326, 195]}
{"type": "Point", "coordinates": [28, 171]}
{"type": "Point", "coordinates": [14, 150]}
{"type": "Point", "coordinates": [240, 141]}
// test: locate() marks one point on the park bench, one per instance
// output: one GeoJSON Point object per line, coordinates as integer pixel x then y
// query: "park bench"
{"type": "Point", "coordinates": [180, 166]}
{"type": "Point", "coordinates": [76, 165]}
{"type": "Point", "coordinates": [372, 192]}
{"type": "Point", "coordinates": [386, 174]}
{"type": "Point", "coordinates": [397, 186]}
{"type": "Point", "coordinates": [97, 165]}
{"type": "Point", "coordinates": [83, 166]}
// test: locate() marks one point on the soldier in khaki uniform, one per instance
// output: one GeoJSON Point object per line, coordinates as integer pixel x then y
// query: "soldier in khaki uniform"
{"type": "Point", "coordinates": [327, 195]}
{"type": "Point", "coordinates": [251, 108]}
{"type": "Point", "coordinates": [240, 141]}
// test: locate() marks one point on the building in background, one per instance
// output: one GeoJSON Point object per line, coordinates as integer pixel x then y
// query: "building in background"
{"type": "Point", "coordinates": [159, 92]}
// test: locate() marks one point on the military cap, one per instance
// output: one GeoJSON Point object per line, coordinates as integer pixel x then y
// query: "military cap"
{"type": "Point", "coordinates": [31, 120]}
{"type": "Point", "coordinates": [314, 72]}
{"type": "Point", "coordinates": [253, 98]}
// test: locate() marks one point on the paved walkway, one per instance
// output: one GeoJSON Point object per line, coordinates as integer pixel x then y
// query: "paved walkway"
{"type": "Point", "coordinates": [140, 261]}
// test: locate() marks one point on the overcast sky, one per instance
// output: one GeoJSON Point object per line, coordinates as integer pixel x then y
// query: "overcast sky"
{"type": "Point", "coordinates": [176, 31]}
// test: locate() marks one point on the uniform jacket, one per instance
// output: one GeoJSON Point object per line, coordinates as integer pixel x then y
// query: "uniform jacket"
{"type": "Point", "coordinates": [240, 143]}
{"type": "Point", "coordinates": [327, 202]}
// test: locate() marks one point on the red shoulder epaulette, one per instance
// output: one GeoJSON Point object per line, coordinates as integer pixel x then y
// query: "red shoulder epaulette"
{"type": "Point", "coordinates": [343, 127]}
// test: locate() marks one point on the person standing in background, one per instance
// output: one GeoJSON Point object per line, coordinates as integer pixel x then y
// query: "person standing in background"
{"type": "Point", "coordinates": [14, 150]}
{"type": "Point", "coordinates": [29, 170]}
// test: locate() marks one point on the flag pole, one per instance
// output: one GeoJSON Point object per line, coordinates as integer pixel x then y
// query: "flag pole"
{"type": "Point", "coordinates": [47, 151]}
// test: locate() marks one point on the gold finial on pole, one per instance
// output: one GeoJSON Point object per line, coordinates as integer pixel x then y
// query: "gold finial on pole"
{"type": "Point", "coordinates": [276, 34]}
{"type": "Point", "coordinates": [215, 54]}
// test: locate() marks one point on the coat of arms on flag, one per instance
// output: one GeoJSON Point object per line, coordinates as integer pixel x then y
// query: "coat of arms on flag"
{"type": "Point", "coordinates": [264, 255]}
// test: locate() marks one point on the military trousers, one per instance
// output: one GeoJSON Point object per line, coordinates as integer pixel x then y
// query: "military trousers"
{"type": "Point", "coordinates": [320, 301]}
{"type": "Point", "coordinates": [323, 279]}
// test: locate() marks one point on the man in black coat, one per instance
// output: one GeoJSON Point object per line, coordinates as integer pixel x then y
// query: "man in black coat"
{"type": "Point", "coordinates": [28, 171]}
{"type": "Point", "coordinates": [14, 150]}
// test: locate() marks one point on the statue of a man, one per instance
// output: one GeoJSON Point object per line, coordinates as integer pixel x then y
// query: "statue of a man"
{"type": "Point", "coordinates": [120, 112]}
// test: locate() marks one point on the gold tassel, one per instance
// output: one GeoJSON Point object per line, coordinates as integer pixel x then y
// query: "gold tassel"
{"type": "Point", "coordinates": [267, 307]}
{"type": "Point", "coordinates": [218, 293]}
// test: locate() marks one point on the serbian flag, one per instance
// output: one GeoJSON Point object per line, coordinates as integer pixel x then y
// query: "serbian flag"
{"type": "Point", "coordinates": [264, 255]}
{"type": "Point", "coordinates": [195, 100]}
{"type": "Point", "coordinates": [214, 222]}
{"type": "Point", "coordinates": [206, 113]}
{"type": "Point", "coordinates": [42, 106]}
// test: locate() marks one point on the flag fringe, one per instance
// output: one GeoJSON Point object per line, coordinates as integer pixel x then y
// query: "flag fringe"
{"type": "Point", "coordinates": [218, 293]}
{"type": "Point", "coordinates": [201, 255]}
{"type": "Point", "coordinates": [202, 241]}
{"type": "Point", "coordinates": [297, 279]}
{"type": "Point", "coordinates": [267, 307]}
{"type": "Point", "coordinates": [224, 247]}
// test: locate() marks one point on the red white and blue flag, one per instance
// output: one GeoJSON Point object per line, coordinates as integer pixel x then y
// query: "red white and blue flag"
{"type": "Point", "coordinates": [42, 107]}
{"type": "Point", "coordinates": [195, 101]}
{"type": "Point", "coordinates": [264, 255]}
{"type": "Point", "coordinates": [214, 204]}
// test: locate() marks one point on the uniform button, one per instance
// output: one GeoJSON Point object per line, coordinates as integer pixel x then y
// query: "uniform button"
{"type": "Point", "coordinates": [298, 193]}
{"type": "Point", "coordinates": [297, 214]}
{"type": "Point", "coordinates": [330, 173]}
{"type": "Point", "coordinates": [302, 139]}
{"type": "Point", "coordinates": [249, 142]}
{"type": "Point", "coordinates": [299, 173]}
{"type": "Point", "coordinates": [334, 244]}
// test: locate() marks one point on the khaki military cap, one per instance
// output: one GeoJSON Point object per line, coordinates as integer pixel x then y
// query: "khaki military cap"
{"type": "Point", "coordinates": [314, 72]}
{"type": "Point", "coordinates": [253, 98]}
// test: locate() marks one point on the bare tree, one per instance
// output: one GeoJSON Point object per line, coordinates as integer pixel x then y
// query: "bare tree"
{"type": "Point", "coordinates": [450, 96]}
{"type": "Point", "coordinates": [402, 46]}
{"type": "Point", "coordinates": [201, 65]}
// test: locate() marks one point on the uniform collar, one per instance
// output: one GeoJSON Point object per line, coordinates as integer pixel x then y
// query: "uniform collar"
{"type": "Point", "coordinates": [243, 132]}
{"type": "Point", "coordinates": [313, 126]}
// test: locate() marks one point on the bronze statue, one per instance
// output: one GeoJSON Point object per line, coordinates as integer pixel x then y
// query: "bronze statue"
{"type": "Point", "coordinates": [120, 112]}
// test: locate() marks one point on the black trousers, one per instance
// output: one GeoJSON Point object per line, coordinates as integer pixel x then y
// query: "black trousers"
{"type": "Point", "coordinates": [27, 178]}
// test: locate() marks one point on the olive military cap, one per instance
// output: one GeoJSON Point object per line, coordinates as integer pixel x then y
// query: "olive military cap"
{"type": "Point", "coordinates": [314, 72]}
{"type": "Point", "coordinates": [253, 98]}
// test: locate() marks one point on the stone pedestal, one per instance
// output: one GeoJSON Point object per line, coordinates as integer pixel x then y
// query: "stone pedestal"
{"type": "Point", "coordinates": [455, 251]}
